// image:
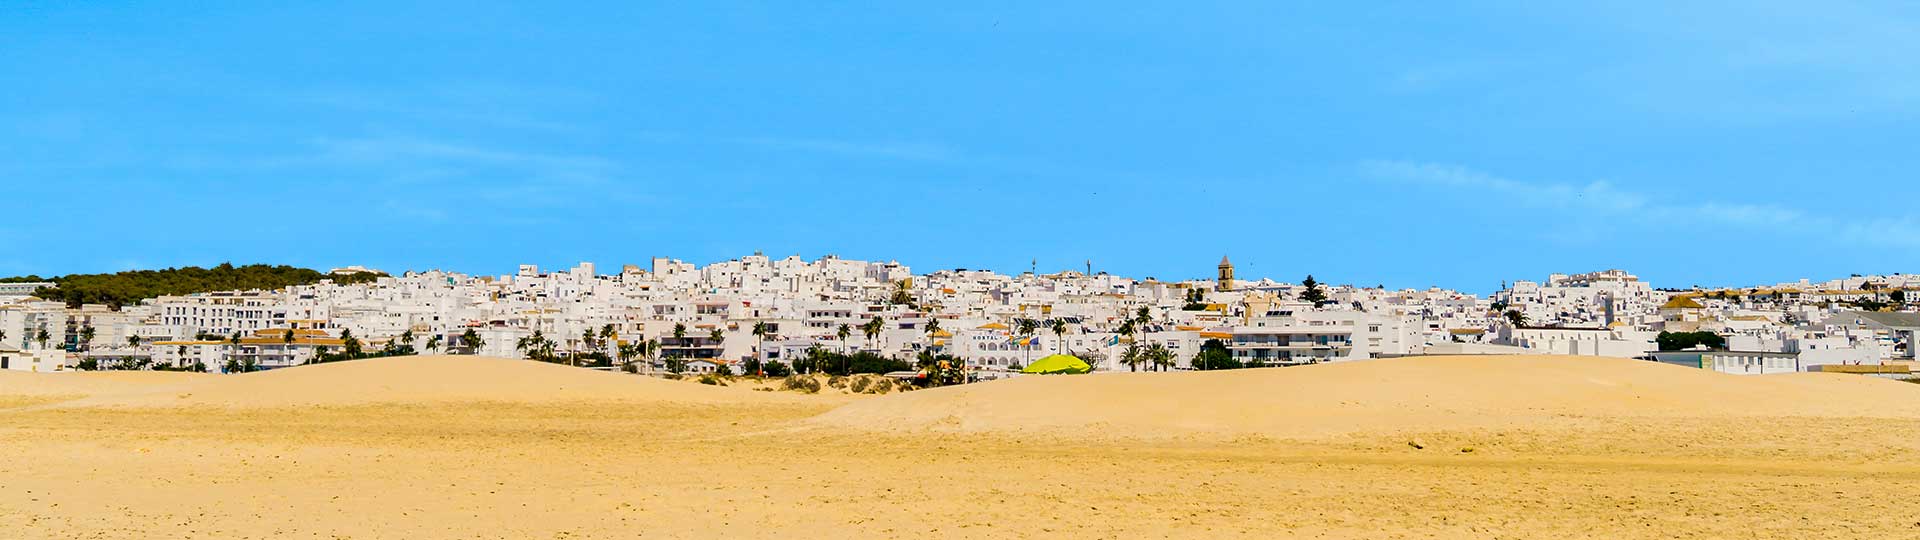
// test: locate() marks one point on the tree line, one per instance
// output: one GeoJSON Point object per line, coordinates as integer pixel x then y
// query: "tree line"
{"type": "Point", "coordinates": [126, 288]}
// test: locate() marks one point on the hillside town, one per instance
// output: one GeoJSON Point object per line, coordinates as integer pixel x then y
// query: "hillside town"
{"type": "Point", "coordinates": [729, 316]}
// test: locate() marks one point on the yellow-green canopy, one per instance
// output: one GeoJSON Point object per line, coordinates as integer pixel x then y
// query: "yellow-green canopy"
{"type": "Point", "coordinates": [1059, 363]}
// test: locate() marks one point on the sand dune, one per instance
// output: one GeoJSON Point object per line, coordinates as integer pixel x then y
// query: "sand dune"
{"type": "Point", "coordinates": [417, 379]}
{"type": "Point", "coordinates": [1579, 448]}
{"type": "Point", "coordinates": [87, 383]}
{"type": "Point", "coordinates": [1410, 394]}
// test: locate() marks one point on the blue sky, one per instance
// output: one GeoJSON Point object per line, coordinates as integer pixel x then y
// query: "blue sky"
{"type": "Point", "coordinates": [1400, 143]}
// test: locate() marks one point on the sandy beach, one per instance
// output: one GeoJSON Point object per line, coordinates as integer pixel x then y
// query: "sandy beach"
{"type": "Point", "coordinates": [1513, 447]}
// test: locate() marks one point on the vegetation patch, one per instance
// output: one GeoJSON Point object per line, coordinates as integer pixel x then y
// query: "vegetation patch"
{"type": "Point", "coordinates": [130, 287]}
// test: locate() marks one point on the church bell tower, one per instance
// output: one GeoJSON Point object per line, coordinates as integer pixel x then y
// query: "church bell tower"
{"type": "Point", "coordinates": [1225, 281]}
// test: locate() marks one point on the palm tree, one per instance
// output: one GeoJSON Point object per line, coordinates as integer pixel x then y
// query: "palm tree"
{"type": "Point", "coordinates": [1027, 328]}
{"type": "Point", "coordinates": [760, 331]}
{"type": "Point", "coordinates": [586, 342]}
{"type": "Point", "coordinates": [1517, 318]}
{"type": "Point", "coordinates": [902, 292]}
{"type": "Point", "coordinates": [816, 359]}
{"type": "Point", "coordinates": [233, 347]}
{"type": "Point", "coordinates": [1132, 357]}
{"type": "Point", "coordinates": [86, 337]}
{"type": "Point", "coordinates": [406, 337]}
{"type": "Point", "coordinates": [679, 331]}
{"type": "Point", "coordinates": [872, 329]}
{"type": "Point", "coordinates": [349, 345]}
{"type": "Point", "coordinates": [626, 352]}
{"type": "Point", "coordinates": [933, 327]}
{"type": "Point", "coordinates": [286, 343]}
{"type": "Point", "coordinates": [472, 341]}
{"type": "Point", "coordinates": [132, 341]}
{"type": "Point", "coordinates": [433, 343]}
{"type": "Point", "coordinates": [1159, 356]}
{"type": "Point", "coordinates": [42, 337]}
{"type": "Point", "coordinates": [1141, 319]}
{"type": "Point", "coordinates": [1126, 329]}
{"type": "Point", "coordinates": [529, 344]}
{"type": "Point", "coordinates": [1059, 327]}
{"type": "Point", "coordinates": [649, 350]}
{"type": "Point", "coordinates": [842, 332]}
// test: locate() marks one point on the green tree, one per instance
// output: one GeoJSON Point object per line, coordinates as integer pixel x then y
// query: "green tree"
{"type": "Point", "coordinates": [1214, 355]}
{"type": "Point", "coordinates": [43, 337]}
{"type": "Point", "coordinates": [587, 343]}
{"type": "Point", "coordinates": [1517, 318]}
{"type": "Point", "coordinates": [1158, 356]}
{"type": "Point", "coordinates": [843, 332]}
{"type": "Point", "coordinates": [760, 331]}
{"type": "Point", "coordinates": [1310, 291]}
{"type": "Point", "coordinates": [1196, 299]}
{"type": "Point", "coordinates": [816, 360]}
{"type": "Point", "coordinates": [1027, 328]}
{"type": "Point", "coordinates": [1133, 356]}
{"type": "Point", "coordinates": [125, 288]}
{"type": "Point", "coordinates": [1060, 335]}
{"type": "Point", "coordinates": [471, 340]}
{"type": "Point", "coordinates": [933, 327]}
{"type": "Point", "coordinates": [133, 341]}
{"type": "Point", "coordinates": [902, 293]}
{"type": "Point", "coordinates": [433, 343]}
{"type": "Point", "coordinates": [86, 337]}
{"type": "Point", "coordinates": [532, 345]}
{"type": "Point", "coordinates": [1142, 319]}
{"type": "Point", "coordinates": [941, 369]}
{"type": "Point", "coordinates": [1898, 297]}
{"type": "Point", "coordinates": [1680, 341]}
{"type": "Point", "coordinates": [872, 329]}
{"type": "Point", "coordinates": [350, 346]}
{"type": "Point", "coordinates": [679, 331]}
{"type": "Point", "coordinates": [774, 368]}
{"type": "Point", "coordinates": [649, 349]}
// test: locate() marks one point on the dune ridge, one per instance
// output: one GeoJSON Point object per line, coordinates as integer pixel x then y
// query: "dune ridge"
{"type": "Point", "coordinates": [399, 380]}
{"type": "Point", "coordinates": [87, 383]}
{"type": "Point", "coordinates": [1392, 395]}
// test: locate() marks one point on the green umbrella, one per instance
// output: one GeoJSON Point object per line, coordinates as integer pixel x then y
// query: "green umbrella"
{"type": "Point", "coordinates": [1059, 363]}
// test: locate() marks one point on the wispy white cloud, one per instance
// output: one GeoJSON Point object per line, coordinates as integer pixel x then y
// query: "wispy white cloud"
{"type": "Point", "coordinates": [391, 149]}
{"type": "Point", "coordinates": [901, 150]}
{"type": "Point", "coordinates": [1769, 59]}
{"type": "Point", "coordinates": [1595, 195]}
{"type": "Point", "coordinates": [492, 105]}
{"type": "Point", "coordinates": [1604, 199]}
{"type": "Point", "coordinates": [884, 149]}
